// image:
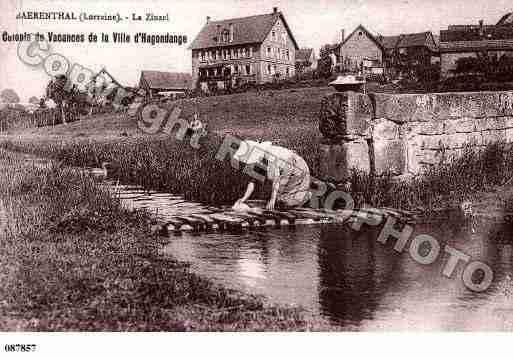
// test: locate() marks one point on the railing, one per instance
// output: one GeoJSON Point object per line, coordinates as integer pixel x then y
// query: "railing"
{"type": "Point", "coordinates": [18, 120]}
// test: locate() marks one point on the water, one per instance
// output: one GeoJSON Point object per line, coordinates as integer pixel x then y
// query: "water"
{"type": "Point", "coordinates": [350, 279]}
{"type": "Point", "coordinates": [345, 276]}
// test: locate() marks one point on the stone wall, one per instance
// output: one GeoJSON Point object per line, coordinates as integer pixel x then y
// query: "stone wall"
{"type": "Point", "coordinates": [405, 134]}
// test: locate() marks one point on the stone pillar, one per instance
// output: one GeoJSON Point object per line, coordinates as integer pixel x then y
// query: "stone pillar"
{"type": "Point", "coordinates": [345, 122]}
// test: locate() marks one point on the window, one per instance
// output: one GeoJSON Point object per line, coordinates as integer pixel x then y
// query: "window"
{"type": "Point", "coordinates": [244, 52]}
{"type": "Point", "coordinates": [273, 35]}
{"type": "Point", "coordinates": [269, 69]}
{"type": "Point", "coordinates": [250, 52]}
{"type": "Point", "coordinates": [214, 54]}
{"type": "Point", "coordinates": [287, 71]}
{"type": "Point", "coordinates": [226, 36]}
{"type": "Point", "coordinates": [284, 37]}
{"type": "Point", "coordinates": [248, 69]}
{"type": "Point", "coordinates": [236, 69]}
{"type": "Point", "coordinates": [288, 55]}
{"type": "Point", "coordinates": [268, 52]}
{"type": "Point", "coordinates": [202, 55]}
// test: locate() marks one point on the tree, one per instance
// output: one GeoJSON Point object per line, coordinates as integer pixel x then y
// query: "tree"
{"type": "Point", "coordinates": [56, 90]}
{"type": "Point", "coordinates": [9, 96]}
{"type": "Point", "coordinates": [34, 100]}
{"type": "Point", "coordinates": [325, 64]}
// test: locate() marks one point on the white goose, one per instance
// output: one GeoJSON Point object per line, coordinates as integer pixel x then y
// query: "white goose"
{"type": "Point", "coordinates": [99, 173]}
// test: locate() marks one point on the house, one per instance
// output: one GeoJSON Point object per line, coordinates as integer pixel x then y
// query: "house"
{"type": "Point", "coordinates": [406, 51]}
{"type": "Point", "coordinates": [305, 59]}
{"type": "Point", "coordinates": [376, 54]}
{"type": "Point", "coordinates": [461, 41]}
{"type": "Point", "coordinates": [361, 48]}
{"type": "Point", "coordinates": [256, 49]}
{"type": "Point", "coordinates": [165, 83]}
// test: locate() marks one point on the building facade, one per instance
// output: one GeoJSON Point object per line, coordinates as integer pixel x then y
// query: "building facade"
{"type": "Point", "coordinates": [255, 49]}
{"type": "Point", "coordinates": [364, 52]}
{"type": "Point", "coordinates": [464, 41]}
{"type": "Point", "coordinates": [358, 49]}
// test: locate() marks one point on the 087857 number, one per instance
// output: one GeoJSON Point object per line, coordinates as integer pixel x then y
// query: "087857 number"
{"type": "Point", "coordinates": [20, 347]}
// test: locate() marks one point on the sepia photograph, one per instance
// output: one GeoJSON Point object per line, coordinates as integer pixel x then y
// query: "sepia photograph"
{"type": "Point", "coordinates": [333, 166]}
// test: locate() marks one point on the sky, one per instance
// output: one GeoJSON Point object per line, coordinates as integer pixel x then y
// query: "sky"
{"type": "Point", "coordinates": [313, 23]}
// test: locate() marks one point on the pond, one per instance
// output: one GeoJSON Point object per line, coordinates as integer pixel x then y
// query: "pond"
{"type": "Point", "coordinates": [345, 276]}
{"type": "Point", "coordinates": [354, 281]}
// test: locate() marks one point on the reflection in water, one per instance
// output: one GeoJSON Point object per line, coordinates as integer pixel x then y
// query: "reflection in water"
{"type": "Point", "coordinates": [355, 271]}
{"type": "Point", "coordinates": [354, 281]}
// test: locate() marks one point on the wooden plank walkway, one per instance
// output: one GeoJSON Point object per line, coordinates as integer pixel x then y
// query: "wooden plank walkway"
{"type": "Point", "coordinates": [228, 220]}
{"type": "Point", "coordinates": [176, 215]}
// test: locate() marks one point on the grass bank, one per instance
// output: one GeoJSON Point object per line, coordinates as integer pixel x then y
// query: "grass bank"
{"type": "Point", "coordinates": [73, 259]}
{"type": "Point", "coordinates": [288, 118]}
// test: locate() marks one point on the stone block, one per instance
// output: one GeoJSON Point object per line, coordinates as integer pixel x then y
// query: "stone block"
{"type": "Point", "coordinates": [360, 113]}
{"type": "Point", "coordinates": [399, 108]}
{"type": "Point", "coordinates": [390, 156]}
{"type": "Point", "coordinates": [430, 157]}
{"type": "Point", "coordinates": [412, 157]}
{"type": "Point", "coordinates": [384, 129]}
{"type": "Point", "coordinates": [460, 140]}
{"type": "Point", "coordinates": [434, 142]}
{"type": "Point", "coordinates": [431, 128]}
{"type": "Point", "coordinates": [337, 160]}
{"type": "Point", "coordinates": [508, 133]}
{"type": "Point", "coordinates": [461, 126]}
{"type": "Point", "coordinates": [493, 136]}
{"type": "Point", "coordinates": [442, 106]}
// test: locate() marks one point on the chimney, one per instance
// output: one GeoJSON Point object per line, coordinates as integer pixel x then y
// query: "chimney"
{"type": "Point", "coordinates": [342, 35]}
{"type": "Point", "coordinates": [208, 19]}
{"type": "Point", "coordinates": [275, 10]}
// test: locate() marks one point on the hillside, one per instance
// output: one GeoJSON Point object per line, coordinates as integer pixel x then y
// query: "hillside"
{"type": "Point", "coordinates": [267, 114]}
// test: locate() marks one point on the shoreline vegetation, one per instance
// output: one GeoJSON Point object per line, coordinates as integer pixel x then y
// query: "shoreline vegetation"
{"type": "Point", "coordinates": [288, 118]}
{"type": "Point", "coordinates": [74, 259]}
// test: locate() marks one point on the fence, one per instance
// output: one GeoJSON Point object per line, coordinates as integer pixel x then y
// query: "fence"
{"type": "Point", "coordinates": [11, 119]}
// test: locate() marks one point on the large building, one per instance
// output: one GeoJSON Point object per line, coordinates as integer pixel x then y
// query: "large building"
{"type": "Point", "coordinates": [228, 53]}
{"type": "Point", "coordinates": [375, 54]}
{"type": "Point", "coordinates": [460, 41]}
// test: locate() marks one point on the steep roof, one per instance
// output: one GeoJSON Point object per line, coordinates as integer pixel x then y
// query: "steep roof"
{"type": "Point", "coordinates": [409, 40]}
{"type": "Point", "coordinates": [390, 42]}
{"type": "Point", "coordinates": [166, 80]}
{"type": "Point", "coordinates": [477, 45]}
{"type": "Point", "coordinates": [365, 31]}
{"type": "Point", "coordinates": [303, 54]}
{"type": "Point", "coordinates": [414, 40]}
{"type": "Point", "coordinates": [246, 30]}
{"type": "Point", "coordinates": [506, 20]}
